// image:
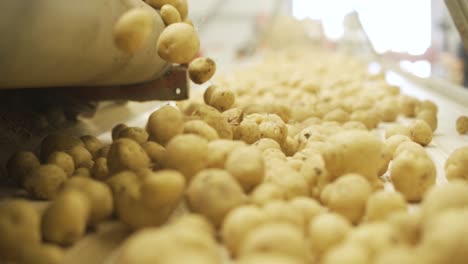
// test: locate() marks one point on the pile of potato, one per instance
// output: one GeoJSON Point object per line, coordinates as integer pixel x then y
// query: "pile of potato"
{"type": "Point", "coordinates": [278, 163]}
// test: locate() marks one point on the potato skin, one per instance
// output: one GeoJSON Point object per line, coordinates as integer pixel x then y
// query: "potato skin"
{"type": "Point", "coordinates": [126, 154]}
{"type": "Point", "coordinates": [63, 160]}
{"type": "Point", "coordinates": [178, 43]}
{"type": "Point", "coordinates": [213, 193]}
{"type": "Point", "coordinates": [45, 181]}
{"type": "Point", "coordinates": [201, 70]}
{"type": "Point", "coordinates": [164, 124]}
{"type": "Point", "coordinates": [412, 174]}
{"type": "Point", "coordinates": [21, 164]}
{"type": "Point", "coordinates": [456, 165]}
{"type": "Point", "coordinates": [20, 228]}
{"type": "Point", "coordinates": [65, 220]}
{"type": "Point", "coordinates": [247, 166]}
{"type": "Point", "coordinates": [169, 14]}
{"type": "Point", "coordinates": [462, 125]}
{"type": "Point", "coordinates": [188, 154]}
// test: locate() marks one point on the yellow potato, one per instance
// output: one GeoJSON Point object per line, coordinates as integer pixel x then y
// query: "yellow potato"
{"type": "Point", "coordinates": [247, 166]}
{"type": "Point", "coordinates": [326, 231]}
{"type": "Point", "coordinates": [100, 171]}
{"type": "Point", "coordinates": [21, 164]}
{"type": "Point", "coordinates": [58, 142]}
{"type": "Point", "coordinates": [65, 220]}
{"type": "Point", "coordinates": [412, 174]}
{"type": "Point", "coordinates": [462, 125]}
{"type": "Point", "coordinates": [201, 128]}
{"type": "Point", "coordinates": [92, 144]}
{"type": "Point", "coordinates": [430, 117]}
{"type": "Point", "coordinates": [62, 160]}
{"type": "Point", "coordinates": [213, 193]}
{"type": "Point", "coordinates": [266, 192]}
{"type": "Point", "coordinates": [45, 181]}
{"type": "Point", "coordinates": [136, 133]}
{"type": "Point", "coordinates": [126, 154]}
{"type": "Point", "coordinates": [382, 204]}
{"type": "Point", "coordinates": [347, 196]}
{"type": "Point", "coordinates": [456, 165]}
{"type": "Point", "coordinates": [215, 119]}
{"type": "Point", "coordinates": [188, 154]}
{"type": "Point", "coordinates": [420, 132]}
{"type": "Point", "coordinates": [178, 43]}
{"type": "Point", "coordinates": [155, 152]}
{"type": "Point", "coordinates": [162, 188]}
{"type": "Point", "coordinates": [164, 124]}
{"type": "Point", "coordinates": [452, 195]}
{"type": "Point", "coordinates": [133, 30]}
{"type": "Point", "coordinates": [201, 70]}
{"type": "Point", "coordinates": [347, 253]}
{"type": "Point", "coordinates": [169, 14]}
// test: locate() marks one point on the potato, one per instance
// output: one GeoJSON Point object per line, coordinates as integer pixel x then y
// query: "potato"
{"type": "Point", "coordinates": [326, 231]}
{"type": "Point", "coordinates": [187, 154]}
{"type": "Point", "coordinates": [446, 238]}
{"type": "Point", "coordinates": [82, 172]}
{"type": "Point", "coordinates": [408, 105]}
{"type": "Point", "coordinates": [133, 30]}
{"type": "Point", "coordinates": [392, 143]}
{"type": "Point", "coordinates": [234, 116]}
{"type": "Point", "coordinates": [278, 238]}
{"type": "Point", "coordinates": [201, 70]}
{"type": "Point", "coordinates": [213, 193]}
{"type": "Point", "coordinates": [169, 14]}
{"type": "Point", "coordinates": [382, 204]}
{"type": "Point", "coordinates": [397, 129]}
{"type": "Point", "coordinates": [347, 253]}
{"type": "Point", "coordinates": [410, 146]}
{"type": "Point", "coordinates": [62, 160]}
{"type": "Point", "coordinates": [155, 152]}
{"type": "Point", "coordinates": [462, 125]}
{"type": "Point", "coordinates": [309, 208]}
{"type": "Point", "coordinates": [354, 151]}
{"type": "Point", "coordinates": [456, 165]}
{"type": "Point", "coordinates": [218, 151]}
{"type": "Point", "coordinates": [180, 5]}
{"type": "Point", "coordinates": [420, 132]}
{"type": "Point", "coordinates": [294, 185]}
{"type": "Point", "coordinates": [388, 110]}
{"type": "Point", "coordinates": [407, 225]}
{"type": "Point", "coordinates": [178, 43]}
{"type": "Point", "coordinates": [238, 224]}
{"type": "Point", "coordinates": [165, 187]}
{"type": "Point", "coordinates": [256, 126]}
{"type": "Point", "coordinates": [403, 255]}
{"type": "Point", "coordinates": [200, 128]}
{"type": "Point", "coordinates": [376, 238]}
{"type": "Point", "coordinates": [338, 115]}
{"type": "Point", "coordinates": [58, 142]}
{"type": "Point", "coordinates": [130, 208]}
{"type": "Point", "coordinates": [45, 181]}
{"type": "Point", "coordinates": [126, 154]}
{"type": "Point", "coordinates": [100, 171]}
{"type": "Point", "coordinates": [220, 98]}
{"type": "Point", "coordinates": [266, 143]}
{"type": "Point", "coordinates": [92, 144]}
{"type": "Point", "coordinates": [65, 220]}
{"type": "Point", "coordinates": [42, 254]}
{"type": "Point", "coordinates": [99, 196]}
{"type": "Point", "coordinates": [270, 258]}
{"type": "Point", "coordinates": [412, 174]}
{"type": "Point", "coordinates": [138, 134]}
{"type": "Point", "coordinates": [426, 105]}
{"type": "Point", "coordinates": [81, 157]}
{"type": "Point", "coordinates": [215, 119]}
{"type": "Point", "coordinates": [266, 192]}
{"type": "Point", "coordinates": [164, 124]}
{"type": "Point", "coordinates": [429, 117]}
{"type": "Point", "coordinates": [102, 152]}
{"type": "Point", "coordinates": [116, 130]}
{"type": "Point", "coordinates": [21, 164]}
{"type": "Point", "coordinates": [163, 245]}
{"type": "Point", "coordinates": [281, 211]}
{"type": "Point", "coordinates": [196, 223]}
{"type": "Point", "coordinates": [247, 166]}
{"type": "Point", "coordinates": [347, 196]}
{"type": "Point", "coordinates": [452, 195]}
{"type": "Point", "coordinates": [278, 109]}
{"type": "Point", "coordinates": [20, 228]}
{"type": "Point", "coordinates": [354, 125]}
{"type": "Point", "coordinates": [370, 118]}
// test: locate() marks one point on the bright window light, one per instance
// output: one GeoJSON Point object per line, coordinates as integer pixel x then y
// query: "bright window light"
{"type": "Point", "coordinates": [392, 25]}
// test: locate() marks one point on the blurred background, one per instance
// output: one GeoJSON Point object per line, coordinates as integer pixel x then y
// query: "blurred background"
{"type": "Point", "coordinates": [417, 36]}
